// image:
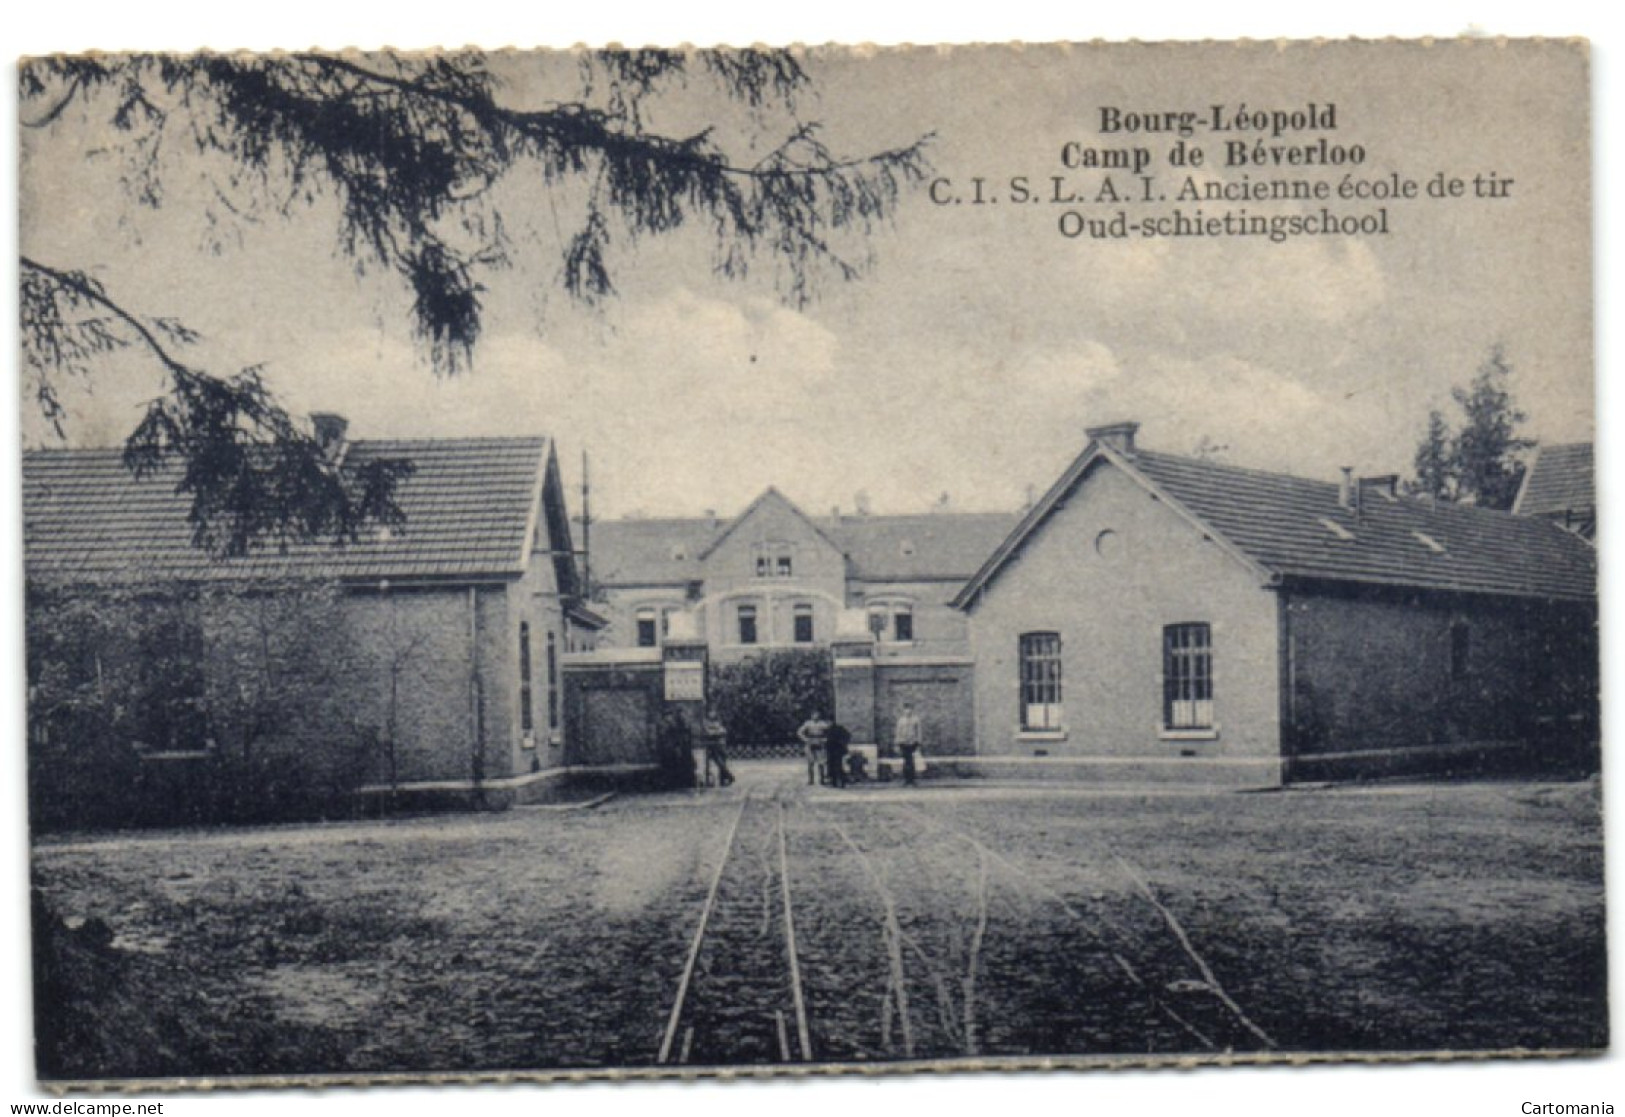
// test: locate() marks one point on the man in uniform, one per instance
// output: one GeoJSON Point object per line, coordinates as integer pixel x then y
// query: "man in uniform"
{"type": "Point", "coordinates": [812, 735]}
{"type": "Point", "coordinates": [908, 736]}
{"type": "Point", "coordinates": [835, 742]}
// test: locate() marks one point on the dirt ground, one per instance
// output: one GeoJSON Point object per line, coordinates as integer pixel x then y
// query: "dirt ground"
{"type": "Point", "coordinates": [952, 920]}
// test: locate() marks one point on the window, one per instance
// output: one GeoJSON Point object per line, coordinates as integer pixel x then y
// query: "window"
{"type": "Point", "coordinates": [892, 621]}
{"type": "Point", "coordinates": [877, 622]}
{"type": "Point", "coordinates": [747, 624]}
{"type": "Point", "coordinates": [1040, 680]}
{"type": "Point", "coordinates": [902, 624]}
{"type": "Point", "coordinates": [803, 623]}
{"type": "Point", "coordinates": [774, 560]}
{"type": "Point", "coordinates": [1187, 676]}
{"type": "Point", "coordinates": [527, 724]}
{"type": "Point", "coordinates": [646, 627]}
{"type": "Point", "coordinates": [1461, 646]}
{"type": "Point", "coordinates": [665, 622]}
{"type": "Point", "coordinates": [552, 682]}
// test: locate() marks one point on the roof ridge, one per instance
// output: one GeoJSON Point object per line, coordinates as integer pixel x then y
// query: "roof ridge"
{"type": "Point", "coordinates": [1403, 500]}
{"type": "Point", "coordinates": [1207, 463]}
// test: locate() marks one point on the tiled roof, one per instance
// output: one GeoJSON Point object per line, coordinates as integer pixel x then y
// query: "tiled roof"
{"type": "Point", "coordinates": [1559, 481]}
{"type": "Point", "coordinates": [931, 546]}
{"type": "Point", "coordinates": [935, 545]}
{"type": "Point", "coordinates": [649, 552]}
{"type": "Point", "coordinates": [1294, 528]}
{"type": "Point", "coordinates": [467, 506]}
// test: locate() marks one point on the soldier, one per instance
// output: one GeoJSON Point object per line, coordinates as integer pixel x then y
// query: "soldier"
{"type": "Point", "coordinates": [812, 734]}
{"type": "Point", "coordinates": [716, 746]}
{"type": "Point", "coordinates": [835, 742]}
{"type": "Point", "coordinates": [908, 736]}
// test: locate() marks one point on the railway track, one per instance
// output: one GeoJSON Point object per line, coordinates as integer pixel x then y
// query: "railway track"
{"type": "Point", "coordinates": [1221, 1022]}
{"type": "Point", "coordinates": [740, 999]}
{"type": "Point", "coordinates": [944, 960]}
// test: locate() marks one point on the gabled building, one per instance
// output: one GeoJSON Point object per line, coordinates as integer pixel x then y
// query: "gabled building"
{"type": "Point", "coordinates": [453, 623]}
{"type": "Point", "coordinates": [774, 577]}
{"type": "Point", "coordinates": [1155, 615]}
{"type": "Point", "coordinates": [1560, 486]}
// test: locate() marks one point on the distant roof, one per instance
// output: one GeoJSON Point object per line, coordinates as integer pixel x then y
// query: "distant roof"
{"type": "Point", "coordinates": [1559, 481]}
{"type": "Point", "coordinates": [86, 518]}
{"type": "Point", "coordinates": [930, 546]}
{"type": "Point", "coordinates": [935, 546]}
{"type": "Point", "coordinates": [1289, 527]}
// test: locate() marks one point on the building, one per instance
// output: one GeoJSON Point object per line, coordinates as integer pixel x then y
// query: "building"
{"type": "Point", "coordinates": [1560, 486]}
{"type": "Point", "coordinates": [773, 577]}
{"type": "Point", "coordinates": [1155, 616]}
{"type": "Point", "coordinates": [452, 625]}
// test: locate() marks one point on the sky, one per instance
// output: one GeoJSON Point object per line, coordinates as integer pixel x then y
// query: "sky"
{"type": "Point", "coordinates": [980, 344]}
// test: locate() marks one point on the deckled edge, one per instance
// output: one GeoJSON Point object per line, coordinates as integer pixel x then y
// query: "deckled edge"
{"type": "Point", "coordinates": [1477, 41]}
{"type": "Point", "coordinates": [62, 1088]}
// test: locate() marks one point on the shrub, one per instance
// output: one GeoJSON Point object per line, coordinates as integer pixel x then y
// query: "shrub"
{"type": "Point", "coordinates": [766, 698]}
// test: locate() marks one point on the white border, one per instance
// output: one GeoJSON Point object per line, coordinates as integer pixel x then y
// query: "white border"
{"type": "Point", "coordinates": [1366, 1091]}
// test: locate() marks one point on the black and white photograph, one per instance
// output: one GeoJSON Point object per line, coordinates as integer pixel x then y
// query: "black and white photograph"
{"type": "Point", "coordinates": [649, 562]}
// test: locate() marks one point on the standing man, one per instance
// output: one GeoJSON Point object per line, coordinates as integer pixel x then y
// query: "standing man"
{"type": "Point", "coordinates": [908, 736]}
{"type": "Point", "coordinates": [835, 742]}
{"type": "Point", "coordinates": [812, 735]}
{"type": "Point", "coordinates": [716, 746]}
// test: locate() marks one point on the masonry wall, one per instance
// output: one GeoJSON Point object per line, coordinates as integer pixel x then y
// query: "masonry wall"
{"type": "Point", "coordinates": [612, 706]}
{"type": "Point", "coordinates": [943, 696]}
{"type": "Point", "coordinates": [1109, 597]}
{"type": "Point", "coordinates": [534, 601]}
{"type": "Point", "coordinates": [416, 654]}
{"type": "Point", "coordinates": [1373, 671]}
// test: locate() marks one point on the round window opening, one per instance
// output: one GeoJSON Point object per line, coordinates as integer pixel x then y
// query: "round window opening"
{"type": "Point", "coordinates": [1108, 544]}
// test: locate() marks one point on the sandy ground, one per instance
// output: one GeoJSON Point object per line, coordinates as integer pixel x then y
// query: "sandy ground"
{"type": "Point", "coordinates": [948, 921]}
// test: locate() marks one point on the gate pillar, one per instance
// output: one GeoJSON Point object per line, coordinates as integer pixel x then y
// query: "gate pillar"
{"type": "Point", "coordinates": [853, 671]}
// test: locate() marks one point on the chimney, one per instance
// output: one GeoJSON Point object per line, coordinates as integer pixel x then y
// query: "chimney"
{"type": "Point", "coordinates": [1347, 494]}
{"type": "Point", "coordinates": [1117, 436]}
{"type": "Point", "coordinates": [330, 430]}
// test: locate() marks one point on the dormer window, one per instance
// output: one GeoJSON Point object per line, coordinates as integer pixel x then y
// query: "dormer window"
{"type": "Point", "coordinates": [907, 548]}
{"type": "Point", "coordinates": [679, 553]}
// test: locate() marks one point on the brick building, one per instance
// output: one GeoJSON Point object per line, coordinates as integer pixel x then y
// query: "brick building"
{"type": "Point", "coordinates": [775, 577]}
{"type": "Point", "coordinates": [453, 625]}
{"type": "Point", "coordinates": [1154, 616]}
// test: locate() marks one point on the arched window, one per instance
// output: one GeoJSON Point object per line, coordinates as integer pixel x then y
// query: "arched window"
{"type": "Point", "coordinates": [892, 621]}
{"type": "Point", "coordinates": [1040, 658]}
{"type": "Point", "coordinates": [527, 724]}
